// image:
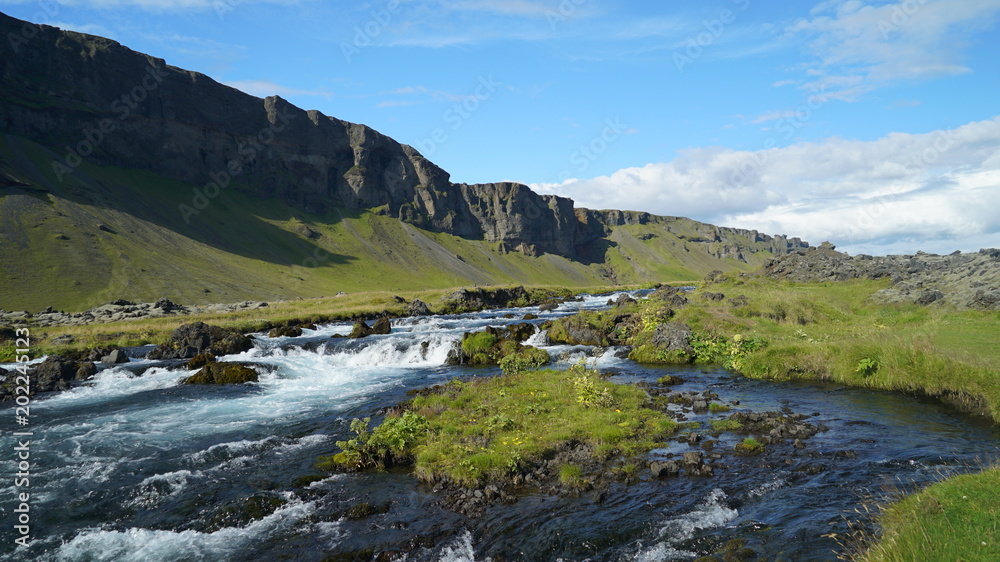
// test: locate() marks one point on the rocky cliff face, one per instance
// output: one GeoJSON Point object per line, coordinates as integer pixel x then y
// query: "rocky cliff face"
{"type": "Point", "coordinates": [90, 98]}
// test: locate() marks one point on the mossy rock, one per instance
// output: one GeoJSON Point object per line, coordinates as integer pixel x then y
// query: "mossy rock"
{"type": "Point", "coordinates": [364, 510]}
{"type": "Point", "coordinates": [285, 332]}
{"type": "Point", "coordinates": [749, 447]}
{"type": "Point", "coordinates": [200, 361]}
{"type": "Point", "coordinates": [251, 509]}
{"type": "Point", "coordinates": [223, 373]}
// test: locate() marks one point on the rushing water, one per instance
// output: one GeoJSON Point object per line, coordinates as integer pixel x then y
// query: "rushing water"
{"type": "Point", "coordinates": [141, 468]}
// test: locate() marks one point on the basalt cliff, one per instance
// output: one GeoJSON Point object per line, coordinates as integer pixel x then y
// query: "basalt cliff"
{"type": "Point", "coordinates": [110, 153]}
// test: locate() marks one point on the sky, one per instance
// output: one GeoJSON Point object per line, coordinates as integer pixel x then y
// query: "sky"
{"type": "Point", "coordinates": [873, 125]}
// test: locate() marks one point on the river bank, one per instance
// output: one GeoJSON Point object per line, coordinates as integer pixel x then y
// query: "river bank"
{"type": "Point", "coordinates": [149, 467]}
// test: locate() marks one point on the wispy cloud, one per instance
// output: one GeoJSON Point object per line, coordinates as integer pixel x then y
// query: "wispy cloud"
{"type": "Point", "coordinates": [170, 5]}
{"type": "Point", "coordinates": [860, 47]}
{"type": "Point", "coordinates": [936, 191]}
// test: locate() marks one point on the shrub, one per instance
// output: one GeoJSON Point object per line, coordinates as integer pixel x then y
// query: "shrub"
{"type": "Point", "coordinates": [390, 443]}
{"type": "Point", "coordinates": [867, 367]}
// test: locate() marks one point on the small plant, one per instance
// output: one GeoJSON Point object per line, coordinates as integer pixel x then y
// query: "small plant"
{"type": "Point", "coordinates": [867, 367]}
{"type": "Point", "coordinates": [571, 475]}
{"type": "Point", "coordinates": [716, 408]}
{"type": "Point", "coordinates": [749, 447]}
{"type": "Point", "coordinates": [587, 393]}
{"type": "Point", "coordinates": [390, 443]}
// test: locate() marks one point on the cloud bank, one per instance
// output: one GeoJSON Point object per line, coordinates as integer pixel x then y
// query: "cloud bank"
{"type": "Point", "coordinates": [937, 192]}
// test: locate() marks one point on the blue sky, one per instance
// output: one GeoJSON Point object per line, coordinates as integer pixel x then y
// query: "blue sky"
{"type": "Point", "coordinates": [872, 124]}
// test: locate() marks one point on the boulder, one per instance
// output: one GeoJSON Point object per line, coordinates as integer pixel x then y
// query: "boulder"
{"type": "Point", "coordinates": [548, 307]}
{"type": "Point", "coordinates": [623, 300]}
{"type": "Point", "coordinates": [418, 308]}
{"type": "Point", "coordinates": [115, 357]}
{"type": "Point", "coordinates": [360, 330]}
{"type": "Point", "coordinates": [662, 469]}
{"type": "Point", "coordinates": [194, 339]}
{"type": "Point", "coordinates": [223, 373]}
{"type": "Point", "coordinates": [673, 336]}
{"type": "Point", "coordinates": [522, 331]}
{"type": "Point", "coordinates": [382, 326]}
{"type": "Point", "coordinates": [285, 332]}
{"type": "Point", "coordinates": [55, 373]}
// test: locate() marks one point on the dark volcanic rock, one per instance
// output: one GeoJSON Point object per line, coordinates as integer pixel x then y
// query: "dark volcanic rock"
{"type": "Point", "coordinates": [418, 308]}
{"type": "Point", "coordinates": [673, 336]}
{"type": "Point", "coordinates": [285, 332]}
{"type": "Point", "coordinates": [115, 357]}
{"type": "Point", "coordinates": [190, 126]}
{"type": "Point", "coordinates": [55, 373]}
{"type": "Point", "coordinates": [194, 339]}
{"type": "Point", "coordinates": [223, 373]}
{"type": "Point", "coordinates": [360, 330]}
{"type": "Point", "coordinates": [382, 326]}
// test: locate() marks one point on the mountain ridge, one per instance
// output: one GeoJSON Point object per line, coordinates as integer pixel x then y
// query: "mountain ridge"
{"type": "Point", "coordinates": [76, 109]}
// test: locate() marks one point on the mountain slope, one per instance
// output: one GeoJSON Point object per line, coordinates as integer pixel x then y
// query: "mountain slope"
{"type": "Point", "coordinates": [123, 177]}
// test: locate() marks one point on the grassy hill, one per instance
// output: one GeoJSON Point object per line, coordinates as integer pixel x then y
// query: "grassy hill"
{"type": "Point", "coordinates": [107, 232]}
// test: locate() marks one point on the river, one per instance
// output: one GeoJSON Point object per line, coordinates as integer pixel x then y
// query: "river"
{"type": "Point", "coordinates": [140, 467]}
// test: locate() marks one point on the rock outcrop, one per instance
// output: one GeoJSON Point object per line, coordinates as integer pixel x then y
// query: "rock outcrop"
{"type": "Point", "coordinates": [960, 280]}
{"type": "Point", "coordinates": [122, 108]}
{"type": "Point", "coordinates": [191, 340]}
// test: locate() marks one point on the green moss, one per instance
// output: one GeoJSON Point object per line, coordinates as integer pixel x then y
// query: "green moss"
{"type": "Point", "coordinates": [726, 425]}
{"type": "Point", "coordinates": [489, 429]}
{"type": "Point", "coordinates": [479, 347]}
{"type": "Point", "coordinates": [749, 447]}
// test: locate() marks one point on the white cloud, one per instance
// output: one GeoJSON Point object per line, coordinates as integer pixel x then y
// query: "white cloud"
{"type": "Point", "coordinates": [936, 192]}
{"type": "Point", "coordinates": [861, 47]}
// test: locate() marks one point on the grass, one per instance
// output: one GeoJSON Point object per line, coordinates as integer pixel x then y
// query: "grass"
{"type": "Point", "coordinates": [491, 429]}
{"type": "Point", "coordinates": [831, 331]}
{"type": "Point", "coordinates": [957, 519]}
{"type": "Point", "coordinates": [240, 247]}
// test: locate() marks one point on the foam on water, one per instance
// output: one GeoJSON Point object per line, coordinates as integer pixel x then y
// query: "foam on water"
{"type": "Point", "coordinates": [117, 381]}
{"type": "Point", "coordinates": [141, 545]}
{"type": "Point", "coordinates": [155, 489]}
{"type": "Point", "coordinates": [711, 513]}
{"type": "Point", "coordinates": [459, 550]}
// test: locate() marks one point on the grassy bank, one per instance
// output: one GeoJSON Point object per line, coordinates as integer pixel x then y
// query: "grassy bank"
{"type": "Point", "coordinates": [776, 330]}
{"type": "Point", "coordinates": [957, 519]}
{"type": "Point", "coordinates": [328, 309]}
{"type": "Point", "coordinates": [831, 331]}
{"type": "Point", "coordinates": [491, 429]}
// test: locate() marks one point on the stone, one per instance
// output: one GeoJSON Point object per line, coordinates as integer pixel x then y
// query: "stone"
{"type": "Point", "coordinates": [115, 357]}
{"type": "Point", "coordinates": [662, 469]}
{"type": "Point", "coordinates": [382, 326]}
{"type": "Point", "coordinates": [194, 339]}
{"type": "Point", "coordinates": [360, 330]}
{"type": "Point", "coordinates": [223, 373]}
{"type": "Point", "coordinates": [418, 308]}
{"type": "Point", "coordinates": [285, 332]}
{"type": "Point", "coordinates": [673, 336]}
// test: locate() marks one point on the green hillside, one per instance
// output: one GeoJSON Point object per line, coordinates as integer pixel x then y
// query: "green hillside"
{"type": "Point", "coordinates": [106, 233]}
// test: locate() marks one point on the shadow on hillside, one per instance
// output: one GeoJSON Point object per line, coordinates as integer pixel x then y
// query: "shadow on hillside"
{"type": "Point", "coordinates": [231, 221]}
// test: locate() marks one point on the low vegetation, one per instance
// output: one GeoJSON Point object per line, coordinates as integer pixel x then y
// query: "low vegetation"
{"type": "Point", "coordinates": [957, 519]}
{"type": "Point", "coordinates": [491, 429]}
